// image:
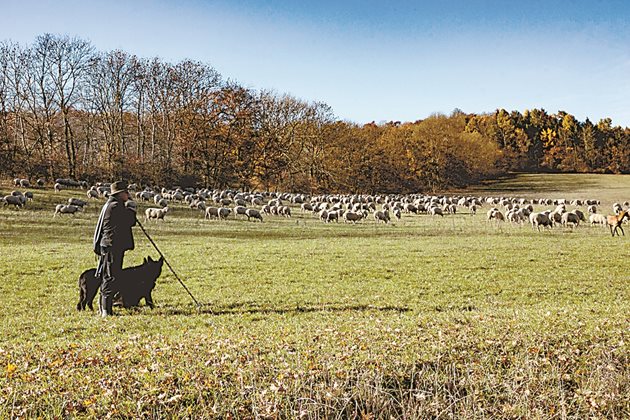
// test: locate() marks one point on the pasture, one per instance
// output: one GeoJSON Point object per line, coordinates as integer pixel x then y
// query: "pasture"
{"type": "Point", "coordinates": [427, 317]}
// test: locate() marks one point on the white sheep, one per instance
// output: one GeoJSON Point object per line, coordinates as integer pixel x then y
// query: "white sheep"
{"type": "Point", "coordinates": [381, 216]}
{"type": "Point", "coordinates": [284, 211]}
{"type": "Point", "coordinates": [436, 211]}
{"type": "Point", "coordinates": [540, 219]}
{"type": "Point", "coordinates": [597, 219]}
{"type": "Point", "coordinates": [224, 212]}
{"type": "Point", "coordinates": [154, 213]}
{"type": "Point", "coordinates": [351, 216]}
{"type": "Point", "coordinates": [253, 213]}
{"type": "Point", "coordinates": [58, 187]}
{"type": "Point", "coordinates": [66, 209]}
{"type": "Point", "coordinates": [570, 218]}
{"type": "Point", "coordinates": [212, 212]}
{"type": "Point", "coordinates": [13, 200]}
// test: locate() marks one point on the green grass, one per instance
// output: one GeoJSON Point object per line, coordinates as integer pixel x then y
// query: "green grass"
{"type": "Point", "coordinates": [445, 318]}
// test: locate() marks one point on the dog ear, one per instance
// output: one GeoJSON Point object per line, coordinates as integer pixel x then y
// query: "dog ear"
{"type": "Point", "coordinates": [150, 259]}
{"type": "Point", "coordinates": [145, 260]}
{"type": "Point", "coordinates": [161, 259]}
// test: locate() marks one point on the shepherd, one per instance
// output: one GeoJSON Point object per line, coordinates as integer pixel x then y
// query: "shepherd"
{"type": "Point", "coordinates": [112, 237]}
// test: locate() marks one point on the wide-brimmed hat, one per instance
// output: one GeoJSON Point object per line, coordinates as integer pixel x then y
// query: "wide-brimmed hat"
{"type": "Point", "coordinates": [118, 186]}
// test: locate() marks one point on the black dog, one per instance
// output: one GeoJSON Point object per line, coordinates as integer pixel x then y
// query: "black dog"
{"type": "Point", "coordinates": [135, 283]}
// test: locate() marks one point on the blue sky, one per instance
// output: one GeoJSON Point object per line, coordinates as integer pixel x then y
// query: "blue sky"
{"type": "Point", "coordinates": [374, 60]}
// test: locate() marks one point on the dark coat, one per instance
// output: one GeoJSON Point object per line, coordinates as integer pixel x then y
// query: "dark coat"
{"type": "Point", "coordinates": [113, 230]}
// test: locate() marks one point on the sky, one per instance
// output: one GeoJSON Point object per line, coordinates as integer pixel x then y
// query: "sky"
{"type": "Point", "coordinates": [373, 60]}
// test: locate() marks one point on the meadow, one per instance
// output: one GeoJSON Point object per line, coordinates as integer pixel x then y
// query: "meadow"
{"type": "Point", "coordinates": [426, 317]}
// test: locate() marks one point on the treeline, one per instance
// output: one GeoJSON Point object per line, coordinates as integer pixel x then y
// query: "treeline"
{"type": "Point", "coordinates": [67, 110]}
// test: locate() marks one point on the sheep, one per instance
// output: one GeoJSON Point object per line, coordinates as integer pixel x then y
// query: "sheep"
{"type": "Point", "coordinates": [597, 219]}
{"type": "Point", "coordinates": [77, 202]}
{"type": "Point", "coordinates": [13, 201]}
{"type": "Point", "coordinates": [40, 182]}
{"type": "Point", "coordinates": [331, 215]}
{"type": "Point", "coordinates": [162, 203]}
{"type": "Point", "coordinates": [570, 218]}
{"type": "Point", "coordinates": [496, 215]}
{"type": "Point", "coordinates": [224, 212]}
{"type": "Point", "coordinates": [436, 211]}
{"type": "Point", "coordinates": [540, 219]}
{"type": "Point", "coordinates": [154, 213]}
{"type": "Point", "coordinates": [472, 209]}
{"type": "Point", "coordinates": [555, 216]}
{"type": "Point", "coordinates": [211, 212]}
{"type": "Point", "coordinates": [351, 216]}
{"type": "Point", "coordinates": [592, 209]}
{"type": "Point", "coordinates": [253, 213]}
{"type": "Point", "coordinates": [381, 216]}
{"type": "Point", "coordinates": [240, 210]}
{"type": "Point", "coordinates": [66, 209]}
{"type": "Point", "coordinates": [306, 207]}
{"type": "Point", "coordinates": [58, 187]}
{"type": "Point", "coordinates": [92, 194]}
{"type": "Point", "coordinates": [397, 214]}
{"type": "Point", "coordinates": [284, 211]}
{"type": "Point", "coordinates": [617, 208]}
{"type": "Point", "coordinates": [24, 183]}
{"type": "Point", "coordinates": [266, 209]}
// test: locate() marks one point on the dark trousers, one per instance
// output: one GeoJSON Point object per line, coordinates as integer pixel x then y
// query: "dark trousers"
{"type": "Point", "coordinates": [112, 262]}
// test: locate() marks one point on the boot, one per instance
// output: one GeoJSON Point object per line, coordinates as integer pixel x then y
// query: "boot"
{"type": "Point", "coordinates": [106, 306]}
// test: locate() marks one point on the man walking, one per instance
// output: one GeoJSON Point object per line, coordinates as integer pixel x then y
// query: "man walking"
{"type": "Point", "coordinates": [112, 238]}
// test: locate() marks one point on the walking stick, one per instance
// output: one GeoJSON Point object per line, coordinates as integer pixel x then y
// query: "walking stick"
{"type": "Point", "coordinates": [167, 263]}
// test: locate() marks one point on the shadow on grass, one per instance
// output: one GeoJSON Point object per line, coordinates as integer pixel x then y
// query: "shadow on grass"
{"type": "Point", "coordinates": [237, 309]}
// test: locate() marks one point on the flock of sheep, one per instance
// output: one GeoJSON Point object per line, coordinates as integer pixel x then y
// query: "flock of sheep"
{"type": "Point", "coordinates": [221, 204]}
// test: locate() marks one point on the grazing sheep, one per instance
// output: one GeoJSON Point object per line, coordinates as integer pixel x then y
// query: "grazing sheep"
{"type": "Point", "coordinates": [28, 195]}
{"type": "Point", "coordinates": [570, 218]}
{"type": "Point", "coordinates": [331, 215]}
{"type": "Point", "coordinates": [306, 207]}
{"type": "Point", "coordinates": [66, 209]}
{"type": "Point", "coordinates": [540, 219]}
{"type": "Point", "coordinates": [397, 214]}
{"type": "Point", "coordinates": [77, 202]}
{"type": "Point", "coordinates": [472, 209]}
{"type": "Point", "coordinates": [212, 212]}
{"type": "Point", "coordinates": [162, 202]}
{"type": "Point", "coordinates": [58, 187]}
{"type": "Point", "coordinates": [592, 209]}
{"type": "Point", "coordinates": [13, 200]}
{"type": "Point", "coordinates": [153, 213]}
{"type": "Point", "coordinates": [351, 216]}
{"type": "Point", "coordinates": [240, 210]}
{"type": "Point", "coordinates": [496, 215]}
{"type": "Point", "coordinates": [436, 211]}
{"type": "Point", "coordinates": [266, 209]}
{"type": "Point", "coordinates": [253, 213]}
{"type": "Point", "coordinates": [597, 219]}
{"type": "Point", "coordinates": [617, 208]}
{"type": "Point", "coordinates": [381, 216]}
{"type": "Point", "coordinates": [224, 212]}
{"type": "Point", "coordinates": [92, 194]}
{"type": "Point", "coordinates": [24, 183]}
{"type": "Point", "coordinates": [40, 182]}
{"type": "Point", "coordinates": [284, 211]}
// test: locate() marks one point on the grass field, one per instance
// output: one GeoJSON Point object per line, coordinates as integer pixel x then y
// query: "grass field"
{"type": "Point", "coordinates": [424, 318]}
